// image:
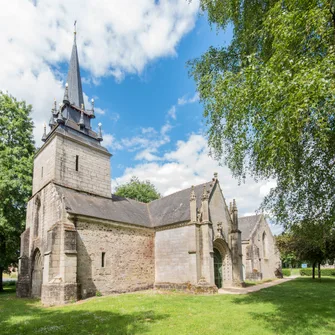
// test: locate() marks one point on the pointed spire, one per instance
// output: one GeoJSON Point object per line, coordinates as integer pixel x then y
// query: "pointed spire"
{"type": "Point", "coordinates": [235, 216]}
{"type": "Point", "coordinates": [54, 110]}
{"type": "Point", "coordinates": [92, 104]}
{"type": "Point", "coordinates": [66, 94]}
{"type": "Point", "coordinates": [100, 133]}
{"type": "Point", "coordinates": [44, 137]}
{"type": "Point", "coordinates": [75, 91]}
{"type": "Point", "coordinates": [51, 121]}
{"type": "Point", "coordinates": [60, 118]}
{"type": "Point", "coordinates": [193, 197]}
{"type": "Point", "coordinates": [81, 121]}
{"type": "Point", "coordinates": [204, 194]}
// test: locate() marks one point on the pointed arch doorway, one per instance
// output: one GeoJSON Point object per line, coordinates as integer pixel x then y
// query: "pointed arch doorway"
{"type": "Point", "coordinates": [37, 275]}
{"type": "Point", "coordinates": [217, 268]}
{"type": "Point", "coordinates": [222, 263]}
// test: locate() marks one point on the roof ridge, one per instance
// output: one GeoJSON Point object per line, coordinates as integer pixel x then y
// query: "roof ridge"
{"type": "Point", "coordinates": [249, 216]}
{"type": "Point", "coordinates": [184, 189]}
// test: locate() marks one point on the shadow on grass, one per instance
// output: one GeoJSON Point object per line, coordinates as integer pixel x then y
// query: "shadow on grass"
{"type": "Point", "coordinates": [301, 306]}
{"type": "Point", "coordinates": [27, 316]}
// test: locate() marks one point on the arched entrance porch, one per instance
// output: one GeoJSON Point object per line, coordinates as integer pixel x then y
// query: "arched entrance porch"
{"type": "Point", "coordinates": [222, 263]}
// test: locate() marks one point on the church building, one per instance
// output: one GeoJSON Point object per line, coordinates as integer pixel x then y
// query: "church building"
{"type": "Point", "coordinates": [80, 240]}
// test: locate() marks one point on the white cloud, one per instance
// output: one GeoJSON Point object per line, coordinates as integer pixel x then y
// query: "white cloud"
{"type": "Point", "coordinates": [147, 143]}
{"type": "Point", "coordinates": [110, 142]}
{"type": "Point", "coordinates": [189, 164]}
{"type": "Point", "coordinates": [184, 100]}
{"type": "Point", "coordinates": [172, 112]}
{"type": "Point", "coordinates": [99, 111]}
{"type": "Point", "coordinates": [114, 38]}
{"type": "Point", "coordinates": [149, 130]}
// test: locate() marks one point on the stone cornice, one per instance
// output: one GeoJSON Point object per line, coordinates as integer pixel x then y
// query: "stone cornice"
{"type": "Point", "coordinates": [88, 219]}
{"type": "Point", "coordinates": [175, 225]}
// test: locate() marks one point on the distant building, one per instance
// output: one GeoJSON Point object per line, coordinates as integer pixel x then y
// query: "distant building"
{"type": "Point", "coordinates": [80, 240]}
{"type": "Point", "coordinates": [261, 257]}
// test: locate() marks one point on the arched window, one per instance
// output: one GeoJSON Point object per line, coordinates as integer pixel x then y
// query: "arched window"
{"type": "Point", "coordinates": [265, 246]}
{"type": "Point", "coordinates": [37, 274]}
{"type": "Point", "coordinates": [37, 216]}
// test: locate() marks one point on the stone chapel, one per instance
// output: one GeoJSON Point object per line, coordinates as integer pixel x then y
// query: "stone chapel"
{"type": "Point", "coordinates": [80, 239]}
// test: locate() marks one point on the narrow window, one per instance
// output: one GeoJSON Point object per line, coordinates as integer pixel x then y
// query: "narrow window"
{"type": "Point", "coordinates": [77, 162]}
{"type": "Point", "coordinates": [103, 259]}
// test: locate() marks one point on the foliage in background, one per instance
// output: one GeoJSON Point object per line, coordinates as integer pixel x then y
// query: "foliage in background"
{"type": "Point", "coordinates": [309, 242]}
{"type": "Point", "coordinates": [286, 272]}
{"type": "Point", "coordinates": [16, 161]}
{"type": "Point", "coordinates": [287, 255]}
{"type": "Point", "coordinates": [269, 100]}
{"type": "Point", "coordinates": [143, 191]}
{"type": "Point", "coordinates": [324, 272]}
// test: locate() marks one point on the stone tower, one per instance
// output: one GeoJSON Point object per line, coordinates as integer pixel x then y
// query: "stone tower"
{"type": "Point", "coordinates": [71, 157]}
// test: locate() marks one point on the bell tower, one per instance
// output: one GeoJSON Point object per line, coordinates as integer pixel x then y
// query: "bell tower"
{"type": "Point", "coordinates": [72, 154]}
{"type": "Point", "coordinates": [71, 157]}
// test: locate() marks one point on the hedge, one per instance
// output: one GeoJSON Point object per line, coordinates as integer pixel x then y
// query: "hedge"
{"type": "Point", "coordinates": [324, 272]}
{"type": "Point", "coordinates": [286, 272]}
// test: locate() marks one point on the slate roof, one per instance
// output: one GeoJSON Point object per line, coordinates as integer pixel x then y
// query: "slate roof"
{"type": "Point", "coordinates": [175, 207]}
{"type": "Point", "coordinates": [75, 91]}
{"type": "Point", "coordinates": [171, 209]}
{"type": "Point", "coordinates": [246, 224]}
{"type": "Point", "coordinates": [115, 209]}
{"type": "Point", "coordinates": [71, 129]}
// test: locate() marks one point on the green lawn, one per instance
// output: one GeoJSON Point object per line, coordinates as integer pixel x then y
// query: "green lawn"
{"type": "Point", "coordinates": [299, 307]}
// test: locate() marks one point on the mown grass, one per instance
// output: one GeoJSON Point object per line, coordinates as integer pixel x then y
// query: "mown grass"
{"type": "Point", "coordinates": [259, 282]}
{"type": "Point", "coordinates": [301, 306]}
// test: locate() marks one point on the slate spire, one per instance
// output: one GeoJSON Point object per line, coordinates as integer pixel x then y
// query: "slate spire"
{"type": "Point", "coordinates": [74, 90]}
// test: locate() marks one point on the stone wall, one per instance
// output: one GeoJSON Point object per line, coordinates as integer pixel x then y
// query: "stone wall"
{"type": "Point", "coordinates": [44, 165]}
{"type": "Point", "coordinates": [93, 173]}
{"type": "Point", "coordinates": [175, 255]}
{"type": "Point", "coordinates": [128, 258]}
{"type": "Point", "coordinates": [260, 263]}
{"type": "Point", "coordinates": [219, 212]}
{"type": "Point", "coordinates": [56, 161]}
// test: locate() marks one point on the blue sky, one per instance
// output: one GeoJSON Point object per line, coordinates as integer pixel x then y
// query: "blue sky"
{"type": "Point", "coordinates": [145, 100]}
{"type": "Point", "coordinates": [133, 58]}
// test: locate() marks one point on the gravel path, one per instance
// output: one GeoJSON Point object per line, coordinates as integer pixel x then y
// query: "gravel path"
{"type": "Point", "coordinates": [255, 288]}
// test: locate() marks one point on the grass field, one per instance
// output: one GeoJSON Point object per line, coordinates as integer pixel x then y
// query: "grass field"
{"type": "Point", "coordinates": [13, 275]}
{"type": "Point", "coordinates": [299, 307]}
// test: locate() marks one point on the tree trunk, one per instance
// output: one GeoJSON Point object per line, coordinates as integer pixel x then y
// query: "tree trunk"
{"type": "Point", "coordinates": [313, 272]}
{"type": "Point", "coordinates": [1, 286]}
{"type": "Point", "coordinates": [319, 270]}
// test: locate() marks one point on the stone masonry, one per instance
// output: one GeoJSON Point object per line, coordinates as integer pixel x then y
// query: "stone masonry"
{"type": "Point", "coordinates": [80, 240]}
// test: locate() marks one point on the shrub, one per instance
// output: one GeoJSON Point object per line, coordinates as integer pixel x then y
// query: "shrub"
{"type": "Point", "coordinates": [286, 272]}
{"type": "Point", "coordinates": [9, 283]}
{"type": "Point", "coordinates": [324, 272]}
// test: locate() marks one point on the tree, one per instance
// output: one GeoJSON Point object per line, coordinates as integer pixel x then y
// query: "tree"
{"type": "Point", "coordinates": [311, 242]}
{"type": "Point", "coordinates": [16, 161]}
{"type": "Point", "coordinates": [269, 100]}
{"type": "Point", "coordinates": [143, 191]}
{"type": "Point", "coordinates": [287, 255]}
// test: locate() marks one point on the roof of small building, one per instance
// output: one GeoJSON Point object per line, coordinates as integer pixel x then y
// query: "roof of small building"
{"type": "Point", "coordinates": [114, 209]}
{"type": "Point", "coordinates": [176, 207]}
{"type": "Point", "coordinates": [246, 224]}
{"type": "Point", "coordinates": [171, 209]}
